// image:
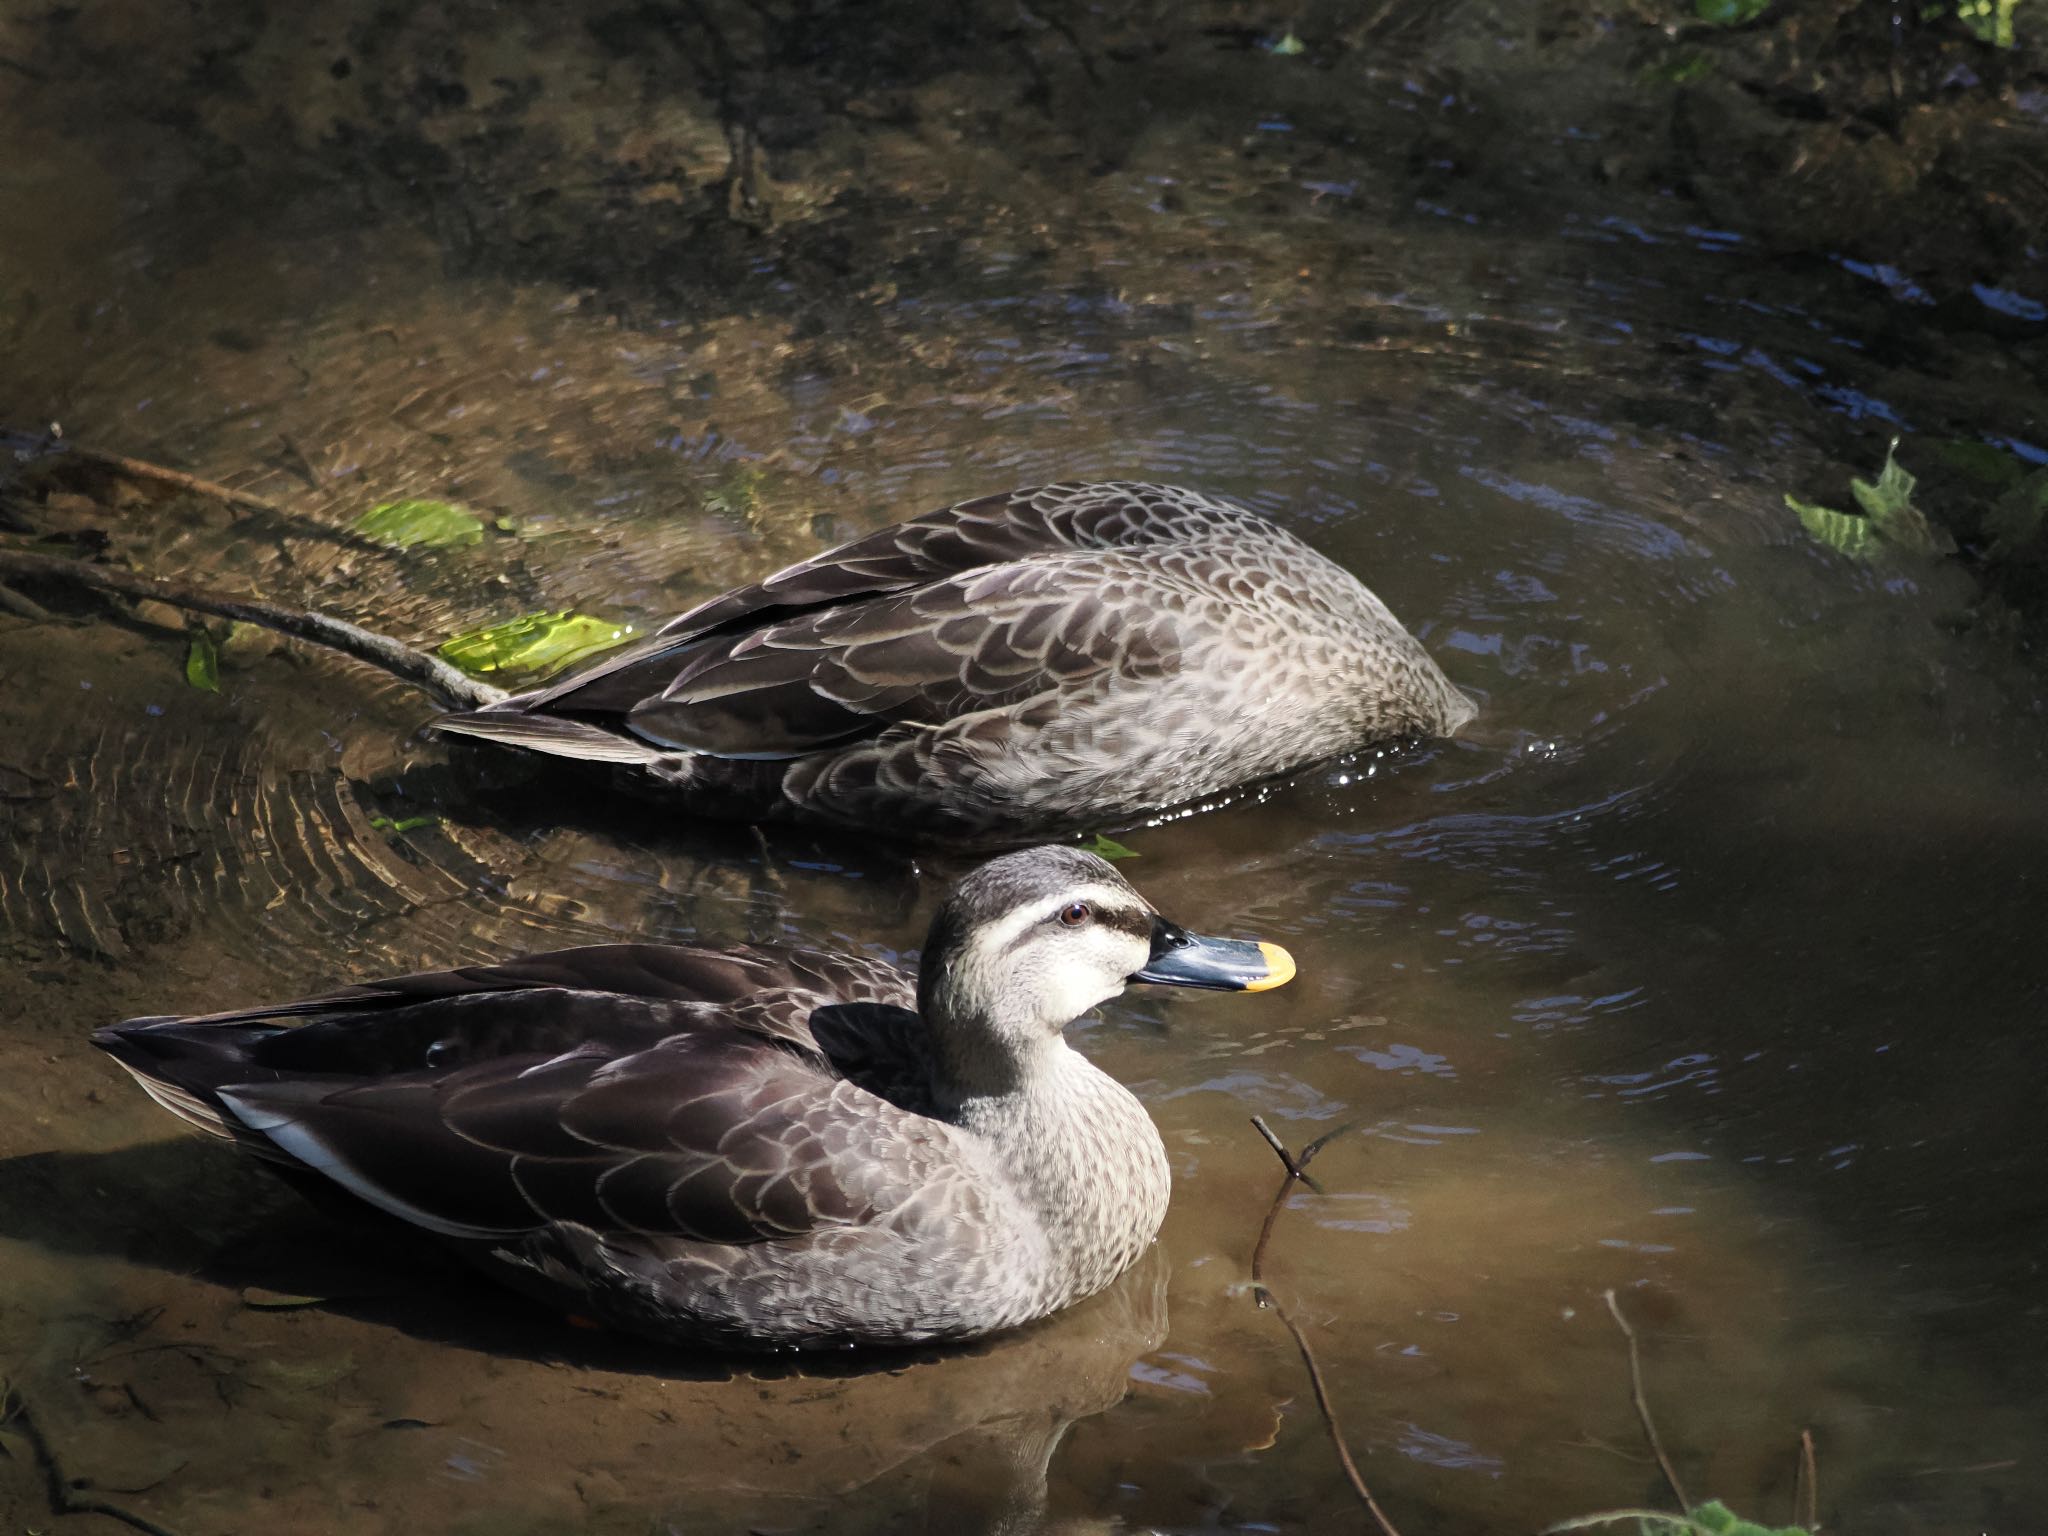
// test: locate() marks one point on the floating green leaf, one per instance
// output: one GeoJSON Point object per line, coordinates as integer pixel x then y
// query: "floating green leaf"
{"type": "Point", "coordinates": [738, 494]}
{"type": "Point", "coordinates": [533, 642]}
{"type": "Point", "coordinates": [1853, 536]}
{"type": "Point", "coordinates": [306, 1375]}
{"type": "Point", "coordinates": [402, 825]}
{"type": "Point", "coordinates": [1990, 21]}
{"type": "Point", "coordinates": [1108, 848]}
{"type": "Point", "coordinates": [1980, 461]}
{"type": "Point", "coordinates": [267, 1300]}
{"type": "Point", "coordinates": [202, 660]}
{"type": "Point", "coordinates": [1289, 46]}
{"type": "Point", "coordinates": [1888, 503]}
{"type": "Point", "coordinates": [2016, 518]}
{"type": "Point", "coordinates": [1682, 68]}
{"type": "Point", "coordinates": [416, 521]}
{"type": "Point", "coordinates": [1729, 13]}
{"type": "Point", "coordinates": [1710, 1519]}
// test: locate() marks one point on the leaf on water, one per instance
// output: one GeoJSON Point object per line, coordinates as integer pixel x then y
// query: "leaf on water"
{"type": "Point", "coordinates": [738, 494]}
{"type": "Point", "coordinates": [1717, 1519]}
{"type": "Point", "coordinates": [1710, 1519]}
{"type": "Point", "coordinates": [1108, 848]}
{"type": "Point", "coordinates": [1289, 46]}
{"type": "Point", "coordinates": [415, 521]}
{"type": "Point", "coordinates": [1682, 68]}
{"type": "Point", "coordinates": [1990, 21]}
{"type": "Point", "coordinates": [1889, 505]}
{"type": "Point", "coordinates": [1729, 13]}
{"type": "Point", "coordinates": [1980, 461]}
{"type": "Point", "coordinates": [533, 642]}
{"type": "Point", "coordinates": [2015, 519]}
{"type": "Point", "coordinates": [306, 1375]}
{"type": "Point", "coordinates": [1853, 536]}
{"type": "Point", "coordinates": [202, 661]}
{"type": "Point", "coordinates": [403, 825]}
{"type": "Point", "coordinates": [276, 1301]}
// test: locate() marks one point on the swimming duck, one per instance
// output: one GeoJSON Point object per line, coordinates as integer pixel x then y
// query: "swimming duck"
{"type": "Point", "coordinates": [1061, 656]}
{"type": "Point", "coordinates": [746, 1147]}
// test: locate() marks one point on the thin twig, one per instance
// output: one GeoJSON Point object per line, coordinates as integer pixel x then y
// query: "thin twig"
{"type": "Point", "coordinates": [436, 676]}
{"type": "Point", "coordinates": [1329, 1413]}
{"type": "Point", "coordinates": [1806, 1497]}
{"type": "Point", "coordinates": [1280, 1150]}
{"type": "Point", "coordinates": [1296, 1170]}
{"type": "Point", "coordinates": [176, 479]}
{"type": "Point", "coordinates": [1635, 1372]}
{"type": "Point", "coordinates": [62, 1492]}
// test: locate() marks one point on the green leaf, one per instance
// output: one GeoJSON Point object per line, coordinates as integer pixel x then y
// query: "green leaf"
{"type": "Point", "coordinates": [2015, 519]}
{"type": "Point", "coordinates": [306, 1375]}
{"type": "Point", "coordinates": [202, 660]}
{"type": "Point", "coordinates": [1852, 536]}
{"type": "Point", "coordinates": [1729, 13]}
{"type": "Point", "coordinates": [1980, 461]}
{"type": "Point", "coordinates": [1682, 68]}
{"type": "Point", "coordinates": [1990, 21]}
{"type": "Point", "coordinates": [1710, 1519]}
{"type": "Point", "coordinates": [1108, 848]}
{"type": "Point", "coordinates": [533, 642]}
{"type": "Point", "coordinates": [402, 826]}
{"type": "Point", "coordinates": [1718, 1519]}
{"type": "Point", "coordinates": [414, 521]}
{"type": "Point", "coordinates": [1289, 46]}
{"type": "Point", "coordinates": [266, 1300]}
{"type": "Point", "coordinates": [1889, 505]}
{"type": "Point", "coordinates": [738, 494]}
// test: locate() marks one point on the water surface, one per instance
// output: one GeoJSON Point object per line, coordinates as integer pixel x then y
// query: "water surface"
{"type": "Point", "coordinates": [1703, 969]}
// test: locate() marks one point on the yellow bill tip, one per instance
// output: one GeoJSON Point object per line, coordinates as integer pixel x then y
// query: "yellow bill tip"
{"type": "Point", "coordinates": [1279, 969]}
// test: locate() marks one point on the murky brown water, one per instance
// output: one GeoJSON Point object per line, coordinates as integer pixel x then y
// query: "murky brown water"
{"type": "Point", "coordinates": [1705, 970]}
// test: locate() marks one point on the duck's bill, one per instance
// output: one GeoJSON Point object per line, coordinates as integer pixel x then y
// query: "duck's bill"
{"type": "Point", "coordinates": [1183, 959]}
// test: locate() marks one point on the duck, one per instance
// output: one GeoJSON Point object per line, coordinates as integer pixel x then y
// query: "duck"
{"type": "Point", "coordinates": [1050, 659]}
{"type": "Point", "coordinates": [747, 1148]}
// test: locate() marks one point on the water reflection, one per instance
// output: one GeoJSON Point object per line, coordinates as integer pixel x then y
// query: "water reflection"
{"type": "Point", "coordinates": [417, 1376]}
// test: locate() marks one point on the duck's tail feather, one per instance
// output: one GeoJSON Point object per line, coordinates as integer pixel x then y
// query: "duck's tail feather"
{"type": "Point", "coordinates": [550, 734]}
{"type": "Point", "coordinates": [177, 1064]}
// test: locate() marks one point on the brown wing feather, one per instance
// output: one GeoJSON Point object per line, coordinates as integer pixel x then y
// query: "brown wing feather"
{"type": "Point", "coordinates": [991, 530]}
{"type": "Point", "coordinates": [984, 641]}
{"type": "Point", "coordinates": [675, 1092]}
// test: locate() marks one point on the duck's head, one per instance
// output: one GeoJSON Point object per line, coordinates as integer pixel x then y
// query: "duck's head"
{"type": "Point", "coordinates": [1029, 942]}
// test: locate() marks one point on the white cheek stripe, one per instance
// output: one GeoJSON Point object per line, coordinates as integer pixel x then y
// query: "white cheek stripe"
{"type": "Point", "coordinates": [997, 937]}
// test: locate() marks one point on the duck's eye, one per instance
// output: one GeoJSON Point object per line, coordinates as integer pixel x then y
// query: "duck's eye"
{"type": "Point", "coordinates": [1074, 913]}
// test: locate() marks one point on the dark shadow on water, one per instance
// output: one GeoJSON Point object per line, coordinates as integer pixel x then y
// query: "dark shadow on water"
{"type": "Point", "coordinates": [189, 1207]}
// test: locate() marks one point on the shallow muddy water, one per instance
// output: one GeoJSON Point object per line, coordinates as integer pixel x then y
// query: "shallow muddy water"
{"type": "Point", "coordinates": [1705, 968]}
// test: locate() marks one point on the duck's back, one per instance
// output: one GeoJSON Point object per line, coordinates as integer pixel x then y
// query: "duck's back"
{"type": "Point", "coordinates": [724, 1146]}
{"type": "Point", "coordinates": [1057, 655]}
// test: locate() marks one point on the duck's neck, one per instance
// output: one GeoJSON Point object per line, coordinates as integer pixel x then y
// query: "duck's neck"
{"type": "Point", "coordinates": [1084, 1157]}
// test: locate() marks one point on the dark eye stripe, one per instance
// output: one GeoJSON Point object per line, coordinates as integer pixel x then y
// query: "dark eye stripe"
{"type": "Point", "coordinates": [1136, 923]}
{"type": "Point", "coordinates": [1132, 920]}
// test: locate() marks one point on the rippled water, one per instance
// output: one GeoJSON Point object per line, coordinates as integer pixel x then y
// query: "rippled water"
{"type": "Point", "coordinates": [1702, 969]}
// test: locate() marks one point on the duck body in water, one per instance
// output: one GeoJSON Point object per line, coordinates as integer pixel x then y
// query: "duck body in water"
{"type": "Point", "coordinates": [743, 1148]}
{"type": "Point", "coordinates": [1057, 657]}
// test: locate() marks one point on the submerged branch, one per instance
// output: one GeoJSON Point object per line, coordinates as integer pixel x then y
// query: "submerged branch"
{"type": "Point", "coordinates": [176, 479]}
{"type": "Point", "coordinates": [450, 685]}
{"type": "Point", "coordinates": [1806, 1493]}
{"type": "Point", "coordinates": [1635, 1374]}
{"type": "Point", "coordinates": [62, 1491]}
{"type": "Point", "coordinates": [1297, 1169]}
